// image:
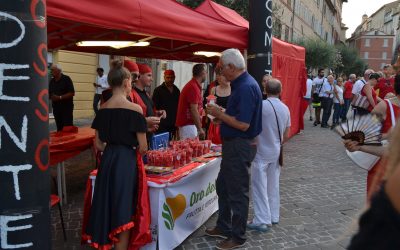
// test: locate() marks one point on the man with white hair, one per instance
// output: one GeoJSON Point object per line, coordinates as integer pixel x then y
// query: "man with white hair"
{"type": "Point", "coordinates": [265, 169]}
{"type": "Point", "coordinates": [61, 92]}
{"type": "Point", "coordinates": [241, 123]}
{"type": "Point", "coordinates": [358, 86]}
{"type": "Point", "coordinates": [327, 100]}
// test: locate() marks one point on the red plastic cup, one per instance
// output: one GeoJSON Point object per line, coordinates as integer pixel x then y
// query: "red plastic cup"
{"type": "Point", "coordinates": [189, 154]}
{"type": "Point", "coordinates": [183, 158]}
{"type": "Point", "coordinates": [168, 159]}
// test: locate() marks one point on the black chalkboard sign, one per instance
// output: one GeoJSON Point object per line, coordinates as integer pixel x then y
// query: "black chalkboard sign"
{"type": "Point", "coordinates": [24, 144]}
{"type": "Point", "coordinates": [260, 38]}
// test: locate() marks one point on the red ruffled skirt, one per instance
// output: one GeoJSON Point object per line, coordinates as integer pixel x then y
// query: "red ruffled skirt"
{"type": "Point", "coordinates": [120, 201]}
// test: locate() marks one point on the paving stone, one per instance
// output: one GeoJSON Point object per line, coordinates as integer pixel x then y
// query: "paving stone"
{"type": "Point", "coordinates": [276, 246]}
{"type": "Point", "coordinates": [300, 242]}
{"type": "Point", "coordinates": [310, 247]}
{"type": "Point", "coordinates": [202, 245]}
{"type": "Point", "coordinates": [254, 248]}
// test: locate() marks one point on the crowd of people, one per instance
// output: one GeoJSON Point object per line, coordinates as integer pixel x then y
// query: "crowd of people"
{"type": "Point", "coordinates": [360, 94]}
{"type": "Point", "coordinates": [378, 94]}
{"type": "Point", "coordinates": [127, 117]}
{"type": "Point", "coordinates": [250, 122]}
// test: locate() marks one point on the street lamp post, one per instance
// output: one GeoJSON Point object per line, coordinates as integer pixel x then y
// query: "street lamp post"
{"type": "Point", "coordinates": [24, 144]}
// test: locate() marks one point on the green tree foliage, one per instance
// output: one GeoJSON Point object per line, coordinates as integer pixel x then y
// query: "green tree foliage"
{"type": "Point", "coordinates": [319, 54]}
{"type": "Point", "coordinates": [240, 6]}
{"type": "Point", "coordinates": [341, 59]}
{"type": "Point", "coordinates": [351, 61]}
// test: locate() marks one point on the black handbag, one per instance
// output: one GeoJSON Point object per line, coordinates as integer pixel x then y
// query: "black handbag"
{"type": "Point", "coordinates": [280, 137]}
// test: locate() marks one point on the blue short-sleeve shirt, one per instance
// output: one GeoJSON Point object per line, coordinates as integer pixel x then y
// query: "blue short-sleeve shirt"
{"type": "Point", "coordinates": [245, 104]}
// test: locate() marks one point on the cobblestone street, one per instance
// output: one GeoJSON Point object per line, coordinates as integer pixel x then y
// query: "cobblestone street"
{"type": "Point", "coordinates": [322, 192]}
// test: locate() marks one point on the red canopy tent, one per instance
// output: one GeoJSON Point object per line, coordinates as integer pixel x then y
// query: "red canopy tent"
{"type": "Point", "coordinates": [288, 62]}
{"type": "Point", "coordinates": [173, 30]}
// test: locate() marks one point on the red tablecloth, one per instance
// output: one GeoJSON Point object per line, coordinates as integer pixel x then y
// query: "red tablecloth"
{"type": "Point", "coordinates": [177, 174]}
{"type": "Point", "coordinates": [65, 145]}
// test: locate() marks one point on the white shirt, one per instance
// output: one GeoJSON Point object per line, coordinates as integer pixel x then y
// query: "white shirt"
{"type": "Point", "coordinates": [102, 81]}
{"type": "Point", "coordinates": [339, 93]}
{"type": "Point", "coordinates": [309, 87]}
{"type": "Point", "coordinates": [317, 84]}
{"type": "Point", "coordinates": [268, 144]}
{"type": "Point", "coordinates": [357, 87]}
{"type": "Point", "coordinates": [326, 87]}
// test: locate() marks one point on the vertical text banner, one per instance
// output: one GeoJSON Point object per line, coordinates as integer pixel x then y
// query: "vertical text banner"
{"type": "Point", "coordinates": [260, 38]}
{"type": "Point", "coordinates": [24, 143]}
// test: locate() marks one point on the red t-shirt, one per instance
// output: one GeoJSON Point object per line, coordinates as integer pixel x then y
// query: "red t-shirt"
{"type": "Point", "coordinates": [384, 87]}
{"type": "Point", "coordinates": [190, 94]}
{"type": "Point", "coordinates": [387, 124]}
{"type": "Point", "coordinates": [370, 107]}
{"type": "Point", "coordinates": [348, 87]}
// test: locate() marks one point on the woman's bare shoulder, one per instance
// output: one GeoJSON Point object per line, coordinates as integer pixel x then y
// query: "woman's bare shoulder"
{"type": "Point", "coordinates": [134, 107]}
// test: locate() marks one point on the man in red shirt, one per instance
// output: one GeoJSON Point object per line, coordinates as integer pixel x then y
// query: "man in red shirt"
{"type": "Point", "coordinates": [347, 95]}
{"type": "Point", "coordinates": [190, 106]}
{"type": "Point", "coordinates": [386, 83]}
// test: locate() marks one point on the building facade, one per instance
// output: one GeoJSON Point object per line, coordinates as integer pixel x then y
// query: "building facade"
{"type": "Point", "coordinates": [375, 48]}
{"type": "Point", "coordinates": [375, 37]}
{"type": "Point", "coordinates": [297, 19]}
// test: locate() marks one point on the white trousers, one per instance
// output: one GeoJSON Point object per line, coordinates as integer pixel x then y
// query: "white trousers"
{"type": "Point", "coordinates": [265, 191]}
{"type": "Point", "coordinates": [188, 131]}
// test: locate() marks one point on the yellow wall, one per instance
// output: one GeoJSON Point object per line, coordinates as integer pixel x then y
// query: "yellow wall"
{"type": "Point", "coordinates": [81, 67]}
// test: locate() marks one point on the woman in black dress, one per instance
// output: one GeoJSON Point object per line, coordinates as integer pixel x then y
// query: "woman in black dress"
{"type": "Point", "coordinates": [120, 132]}
{"type": "Point", "coordinates": [222, 92]}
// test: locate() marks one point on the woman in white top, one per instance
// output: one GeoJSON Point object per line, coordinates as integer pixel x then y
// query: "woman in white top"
{"type": "Point", "coordinates": [338, 101]}
{"type": "Point", "coordinates": [307, 96]}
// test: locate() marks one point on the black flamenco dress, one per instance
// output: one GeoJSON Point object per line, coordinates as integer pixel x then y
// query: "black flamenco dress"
{"type": "Point", "coordinates": [115, 195]}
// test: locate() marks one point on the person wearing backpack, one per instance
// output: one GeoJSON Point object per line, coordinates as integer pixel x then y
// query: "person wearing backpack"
{"type": "Point", "coordinates": [316, 91]}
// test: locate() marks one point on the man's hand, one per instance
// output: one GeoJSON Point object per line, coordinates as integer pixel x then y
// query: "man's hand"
{"type": "Point", "coordinates": [216, 121]}
{"type": "Point", "coordinates": [202, 134]}
{"type": "Point", "coordinates": [214, 110]}
{"type": "Point", "coordinates": [341, 102]}
{"type": "Point", "coordinates": [152, 123]}
{"type": "Point", "coordinates": [352, 145]}
{"type": "Point", "coordinates": [162, 114]}
{"type": "Point", "coordinates": [55, 98]}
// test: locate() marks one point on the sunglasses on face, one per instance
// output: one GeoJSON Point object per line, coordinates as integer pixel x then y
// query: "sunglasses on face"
{"type": "Point", "coordinates": [135, 76]}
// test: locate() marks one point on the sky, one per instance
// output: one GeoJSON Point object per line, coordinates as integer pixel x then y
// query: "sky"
{"type": "Point", "coordinates": [353, 11]}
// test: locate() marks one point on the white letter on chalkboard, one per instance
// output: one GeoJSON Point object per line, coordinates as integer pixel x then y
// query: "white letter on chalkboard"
{"type": "Point", "coordinates": [24, 132]}
{"type": "Point", "coordinates": [4, 229]}
{"type": "Point", "coordinates": [15, 170]}
{"type": "Point", "coordinates": [3, 67]}
{"type": "Point", "coordinates": [19, 38]}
